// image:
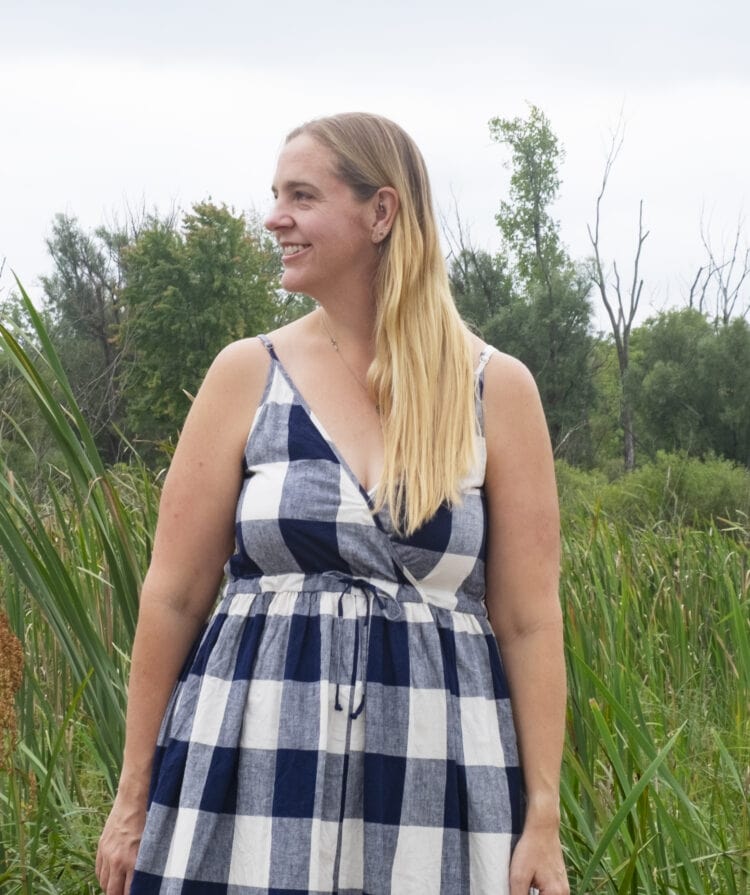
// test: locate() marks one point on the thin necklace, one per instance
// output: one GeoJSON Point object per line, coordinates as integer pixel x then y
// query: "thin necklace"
{"type": "Point", "coordinates": [336, 348]}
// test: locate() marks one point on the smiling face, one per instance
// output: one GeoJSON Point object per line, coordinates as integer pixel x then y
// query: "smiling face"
{"type": "Point", "coordinates": [327, 234]}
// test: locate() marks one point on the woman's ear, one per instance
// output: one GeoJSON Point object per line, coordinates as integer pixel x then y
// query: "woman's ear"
{"type": "Point", "coordinates": [386, 205]}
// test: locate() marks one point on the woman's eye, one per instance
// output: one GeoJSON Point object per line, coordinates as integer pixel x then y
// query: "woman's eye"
{"type": "Point", "coordinates": [302, 197]}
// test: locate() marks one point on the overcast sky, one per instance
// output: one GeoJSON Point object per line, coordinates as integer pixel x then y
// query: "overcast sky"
{"type": "Point", "coordinates": [105, 105]}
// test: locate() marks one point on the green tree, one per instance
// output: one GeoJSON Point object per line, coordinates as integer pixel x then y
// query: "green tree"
{"type": "Point", "coordinates": [482, 287]}
{"type": "Point", "coordinates": [689, 381]}
{"type": "Point", "coordinates": [187, 293]}
{"type": "Point", "coordinates": [726, 367]}
{"type": "Point", "coordinates": [605, 419]}
{"type": "Point", "coordinates": [530, 233]}
{"type": "Point", "coordinates": [548, 325]}
{"type": "Point", "coordinates": [84, 307]}
{"type": "Point", "coordinates": [674, 402]}
{"type": "Point", "coordinates": [25, 442]}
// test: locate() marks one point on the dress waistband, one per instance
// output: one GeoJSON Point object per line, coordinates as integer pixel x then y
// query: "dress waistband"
{"type": "Point", "coordinates": [389, 596]}
{"type": "Point", "coordinates": [336, 582]}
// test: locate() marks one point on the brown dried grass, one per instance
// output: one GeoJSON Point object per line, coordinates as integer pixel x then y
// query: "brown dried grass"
{"type": "Point", "coordinates": [11, 675]}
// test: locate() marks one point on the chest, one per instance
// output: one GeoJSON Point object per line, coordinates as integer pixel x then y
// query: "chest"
{"type": "Point", "coordinates": [343, 411]}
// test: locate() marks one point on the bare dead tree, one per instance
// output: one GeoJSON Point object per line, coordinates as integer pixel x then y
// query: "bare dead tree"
{"type": "Point", "coordinates": [620, 301]}
{"type": "Point", "coordinates": [724, 281]}
{"type": "Point", "coordinates": [462, 252]}
{"type": "Point", "coordinates": [457, 235]}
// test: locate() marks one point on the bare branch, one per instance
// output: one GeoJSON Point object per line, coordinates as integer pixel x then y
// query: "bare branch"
{"type": "Point", "coordinates": [621, 309]}
{"type": "Point", "coordinates": [458, 242]}
{"type": "Point", "coordinates": [461, 250]}
{"type": "Point", "coordinates": [694, 288]}
{"type": "Point", "coordinates": [599, 276]}
{"type": "Point", "coordinates": [727, 273]}
{"type": "Point", "coordinates": [637, 287]}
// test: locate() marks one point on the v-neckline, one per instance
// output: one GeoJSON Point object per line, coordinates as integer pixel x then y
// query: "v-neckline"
{"type": "Point", "coordinates": [368, 496]}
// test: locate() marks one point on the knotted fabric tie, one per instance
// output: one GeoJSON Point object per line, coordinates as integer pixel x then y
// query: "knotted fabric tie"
{"type": "Point", "coordinates": [387, 603]}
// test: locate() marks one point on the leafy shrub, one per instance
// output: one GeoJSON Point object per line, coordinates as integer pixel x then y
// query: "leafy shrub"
{"type": "Point", "coordinates": [578, 489]}
{"type": "Point", "coordinates": [678, 488]}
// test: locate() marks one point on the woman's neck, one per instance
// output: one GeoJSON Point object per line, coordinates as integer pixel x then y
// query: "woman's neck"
{"type": "Point", "coordinates": [350, 322]}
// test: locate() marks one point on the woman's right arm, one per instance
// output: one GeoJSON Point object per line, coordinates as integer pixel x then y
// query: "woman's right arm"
{"type": "Point", "coordinates": [194, 538]}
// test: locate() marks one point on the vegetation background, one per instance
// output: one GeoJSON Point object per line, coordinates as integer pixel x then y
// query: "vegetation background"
{"type": "Point", "coordinates": [651, 430]}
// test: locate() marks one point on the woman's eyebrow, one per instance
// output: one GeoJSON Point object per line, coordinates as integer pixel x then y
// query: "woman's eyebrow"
{"type": "Point", "coordinates": [290, 185]}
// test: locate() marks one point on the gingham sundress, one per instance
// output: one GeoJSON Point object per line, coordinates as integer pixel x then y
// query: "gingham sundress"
{"type": "Point", "coordinates": [343, 723]}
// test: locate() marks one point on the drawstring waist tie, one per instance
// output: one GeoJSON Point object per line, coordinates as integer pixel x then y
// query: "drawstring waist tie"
{"type": "Point", "coordinates": [371, 593]}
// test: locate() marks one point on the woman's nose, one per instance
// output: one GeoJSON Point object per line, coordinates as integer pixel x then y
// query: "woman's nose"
{"type": "Point", "coordinates": [269, 222]}
{"type": "Point", "coordinates": [276, 218]}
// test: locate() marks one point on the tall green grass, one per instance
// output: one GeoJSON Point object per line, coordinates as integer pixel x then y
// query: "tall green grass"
{"type": "Point", "coordinates": [657, 763]}
{"type": "Point", "coordinates": [657, 760]}
{"type": "Point", "coordinates": [70, 573]}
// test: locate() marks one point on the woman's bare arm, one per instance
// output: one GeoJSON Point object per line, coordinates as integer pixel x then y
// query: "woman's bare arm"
{"type": "Point", "coordinates": [523, 562]}
{"type": "Point", "coordinates": [193, 540]}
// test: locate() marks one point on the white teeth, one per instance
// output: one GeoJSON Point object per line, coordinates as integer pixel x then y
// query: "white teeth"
{"type": "Point", "coordinates": [292, 250]}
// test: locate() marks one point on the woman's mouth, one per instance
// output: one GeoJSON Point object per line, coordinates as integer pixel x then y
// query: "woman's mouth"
{"type": "Point", "coordinates": [289, 250]}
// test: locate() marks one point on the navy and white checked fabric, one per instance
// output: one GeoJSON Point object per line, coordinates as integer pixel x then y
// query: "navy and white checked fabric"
{"type": "Point", "coordinates": [343, 723]}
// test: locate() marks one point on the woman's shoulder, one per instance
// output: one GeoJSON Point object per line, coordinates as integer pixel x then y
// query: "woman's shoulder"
{"type": "Point", "coordinates": [512, 405]}
{"type": "Point", "coordinates": [501, 371]}
{"type": "Point", "coordinates": [236, 379]}
{"type": "Point", "coordinates": [241, 368]}
{"type": "Point", "coordinates": [242, 361]}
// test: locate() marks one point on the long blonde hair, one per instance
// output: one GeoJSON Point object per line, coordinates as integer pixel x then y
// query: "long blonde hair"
{"type": "Point", "coordinates": [421, 377]}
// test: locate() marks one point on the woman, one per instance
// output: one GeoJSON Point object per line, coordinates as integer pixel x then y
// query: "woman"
{"type": "Point", "coordinates": [343, 722]}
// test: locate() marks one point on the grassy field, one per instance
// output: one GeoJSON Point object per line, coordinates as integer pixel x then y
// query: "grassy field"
{"type": "Point", "coordinates": [656, 778]}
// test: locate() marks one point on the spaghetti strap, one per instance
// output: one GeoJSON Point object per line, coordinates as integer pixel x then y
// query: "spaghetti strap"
{"type": "Point", "coordinates": [484, 357]}
{"type": "Point", "coordinates": [268, 345]}
{"type": "Point", "coordinates": [486, 354]}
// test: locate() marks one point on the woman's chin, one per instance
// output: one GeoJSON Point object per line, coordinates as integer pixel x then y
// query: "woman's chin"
{"type": "Point", "coordinates": [292, 283]}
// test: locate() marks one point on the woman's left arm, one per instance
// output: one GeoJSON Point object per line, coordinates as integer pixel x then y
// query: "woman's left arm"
{"type": "Point", "coordinates": [523, 567]}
